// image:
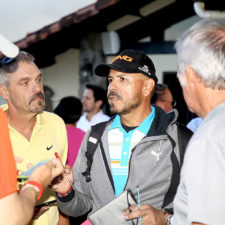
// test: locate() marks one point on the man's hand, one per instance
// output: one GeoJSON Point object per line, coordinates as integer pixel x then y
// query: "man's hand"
{"type": "Point", "coordinates": [63, 219]}
{"type": "Point", "coordinates": [149, 215]}
{"type": "Point", "coordinates": [44, 174]}
{"type": "Point", "coordinates": [20, 160]}
{"type": "Point", "coordinates": [39, 211]}
{"type": "Point", "coordinates": [61, 184]}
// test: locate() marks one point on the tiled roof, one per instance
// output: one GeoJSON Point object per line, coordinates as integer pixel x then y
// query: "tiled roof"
{"type": "Point", "coordinates": [66, 21]}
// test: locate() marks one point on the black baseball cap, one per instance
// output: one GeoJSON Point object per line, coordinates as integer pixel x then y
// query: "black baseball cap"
{"type": "Point", "coordinates": [129, 61]}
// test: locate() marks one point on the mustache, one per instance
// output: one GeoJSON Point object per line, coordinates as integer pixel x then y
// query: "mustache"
{"type": "Point", "coordinates": [36, 95]}
{"type": "Point", "coordinates": [113, 93]}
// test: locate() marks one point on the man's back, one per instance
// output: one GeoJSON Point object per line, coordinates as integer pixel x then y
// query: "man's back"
{"type": "Point", "coordinates": [202, 148]}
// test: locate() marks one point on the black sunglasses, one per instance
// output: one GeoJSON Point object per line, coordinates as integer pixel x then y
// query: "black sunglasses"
{"type": "Point", "coordinates": [130, 194]}
{"type": "Point", "coordinates": [173, 103]}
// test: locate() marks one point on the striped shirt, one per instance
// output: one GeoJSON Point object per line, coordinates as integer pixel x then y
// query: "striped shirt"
{"type": "Point", "coordinates": [120, 145]}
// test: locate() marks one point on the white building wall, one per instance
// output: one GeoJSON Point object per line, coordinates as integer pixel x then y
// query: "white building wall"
{"type": "Point", "coordinates": [63, 76]}
{"type": "Point", "coordinates": [164, 63]}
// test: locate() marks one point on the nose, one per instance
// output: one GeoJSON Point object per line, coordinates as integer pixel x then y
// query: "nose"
{"type": "Point", "coordinates": [112, 86]}
{"type": "Point", "coordinates": [37, 87]}
{"type": "Point", "coordinates": [83, 100]}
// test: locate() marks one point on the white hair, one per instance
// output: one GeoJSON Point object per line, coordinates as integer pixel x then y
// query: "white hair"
{"type": "Point", "coordinates": [202, 47]}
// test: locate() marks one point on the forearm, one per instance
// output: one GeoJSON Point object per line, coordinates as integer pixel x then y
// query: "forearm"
{"type": "Point", "coordinates": [18, 209]}
{"type": "Point", "coordinates": [63, 219]}
{"type": "Point", "coordinates": [74, 204]}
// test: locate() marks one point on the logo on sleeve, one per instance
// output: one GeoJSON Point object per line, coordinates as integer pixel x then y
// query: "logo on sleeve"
{"type": "Point", "coordinates": [48, 148]}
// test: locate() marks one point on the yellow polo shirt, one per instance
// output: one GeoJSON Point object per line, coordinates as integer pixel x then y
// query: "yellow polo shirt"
{"type": "Point", "coordinates": [49, 136]}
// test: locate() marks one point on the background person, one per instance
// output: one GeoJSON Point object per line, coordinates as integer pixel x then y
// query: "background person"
{"type": "Point", "coordinates": [70, 110]}
{"type": "Point", "coordinates": [194, 123]}
{"type": "Point", "coordinates": [93, 100]}
{"type": "Point", "coordinates": [163, 98]}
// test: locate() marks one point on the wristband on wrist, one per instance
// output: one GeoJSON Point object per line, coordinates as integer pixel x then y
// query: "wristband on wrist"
{"type": "Point", "coordinates": [36, 186]}
{"type": "Point", "coordinates": [63, 195]}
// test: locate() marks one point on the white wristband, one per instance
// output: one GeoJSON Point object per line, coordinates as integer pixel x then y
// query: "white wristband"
{"type": "Point", "coordinates": [27, 185]}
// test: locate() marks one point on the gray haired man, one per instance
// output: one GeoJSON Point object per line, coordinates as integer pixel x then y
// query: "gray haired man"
{"type": "Point", "coordinates": [201, 72]}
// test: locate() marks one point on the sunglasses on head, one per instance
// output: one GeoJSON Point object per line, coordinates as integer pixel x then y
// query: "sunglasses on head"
{"type": "Point", "coordinates": [6, 60]}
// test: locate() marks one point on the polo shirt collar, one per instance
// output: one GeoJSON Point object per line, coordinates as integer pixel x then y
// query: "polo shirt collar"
{"type": "Point", "coordinates": [143, 127]}
{"type": "Point", "coordinates": [39, 120]}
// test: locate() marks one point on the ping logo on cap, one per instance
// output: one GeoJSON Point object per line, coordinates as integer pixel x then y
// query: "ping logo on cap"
{"type": "Point", "coordinates": [123, 57]}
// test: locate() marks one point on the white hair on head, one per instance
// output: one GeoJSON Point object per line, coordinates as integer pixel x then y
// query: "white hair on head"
{"type": "Point", "coordinates": [202, 47]}
{"type": "Point", "coordinates": [180, 74]}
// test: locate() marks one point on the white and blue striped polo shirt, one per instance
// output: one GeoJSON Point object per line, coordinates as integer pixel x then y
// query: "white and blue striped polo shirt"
{"type": "Point", "coordinates": [120, 145]}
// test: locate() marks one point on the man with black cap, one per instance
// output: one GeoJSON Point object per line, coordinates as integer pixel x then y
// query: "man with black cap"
{"type": "Point", "coordinates": [139, 146]}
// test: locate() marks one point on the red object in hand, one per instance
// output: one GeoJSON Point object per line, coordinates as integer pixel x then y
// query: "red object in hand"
{"type": "Point", "coordinates": [57, 156]}
{"type": "Point", "coordinates": [68, 178]}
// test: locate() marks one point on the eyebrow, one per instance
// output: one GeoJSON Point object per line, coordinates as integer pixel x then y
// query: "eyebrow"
{"type": "Point", "coordinates": [118, 75]}
{"type": "Point", "coordinates": [23, 79]}
{"type": "Point", "coordinates": [39, 75]}
{"type": "Point", "coordinates": [28, 78]}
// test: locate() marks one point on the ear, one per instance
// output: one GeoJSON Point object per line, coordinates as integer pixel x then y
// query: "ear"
{"type": "Point", "coordinates": [149, 85]}
{"type": "Point", "coordinates": [99, 103]}
{"type": "Point", "coordinates": [160, 104]}
{"type": "Point", "coordinates": [192, 76]}
{"type": "Point", "coordinates": [4, 92]}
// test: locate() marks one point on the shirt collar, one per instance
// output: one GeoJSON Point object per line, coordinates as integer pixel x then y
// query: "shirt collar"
{"type": "Point", "coordinates": [143, 127]}
{"type": "Point", "coordinates": [116, 123]}
{"type": "Point", "coordinates": [96, 115]}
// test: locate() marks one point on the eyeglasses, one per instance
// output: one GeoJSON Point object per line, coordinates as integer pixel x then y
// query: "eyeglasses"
{"type": "Point", "coordinates": [173, 103]}
{"type": "Point", "coordinates": [139, 204]}
{"type": "Point", "coordinates": [130, 195]}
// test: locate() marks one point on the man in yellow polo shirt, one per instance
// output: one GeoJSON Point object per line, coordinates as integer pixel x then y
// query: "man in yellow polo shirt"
{"type": "Point", "coordinates": [35, 135]}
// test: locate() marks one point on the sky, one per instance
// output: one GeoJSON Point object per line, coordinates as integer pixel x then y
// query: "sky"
{"type": "Point", "coordinates": [19, 17]}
